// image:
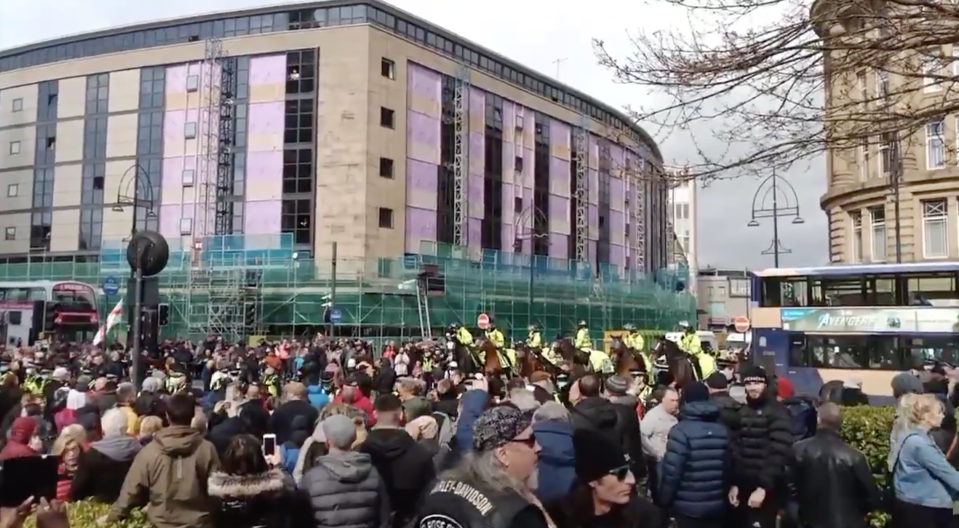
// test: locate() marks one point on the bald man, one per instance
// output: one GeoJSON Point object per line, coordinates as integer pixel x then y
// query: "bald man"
{"type": "Point", "coordinates": [831, 481]}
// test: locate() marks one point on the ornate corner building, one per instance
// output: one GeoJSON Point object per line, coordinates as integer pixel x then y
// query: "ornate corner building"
{"type": "Point", "coordinates": [862, 201]}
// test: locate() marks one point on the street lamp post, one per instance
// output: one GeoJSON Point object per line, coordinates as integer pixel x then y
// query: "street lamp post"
{"type": "Point", "coordinates": [530, 215]}
{"type": "Point", "coordinates": [776, 189]}
{"type": "Point", "coordinates": [142, 197]}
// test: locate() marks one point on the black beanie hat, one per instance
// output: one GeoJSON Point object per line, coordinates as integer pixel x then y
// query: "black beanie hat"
{"type": "Point", "coordinates": [695, 392]}
{"type": "Point", "coordinates": [753, 374]}
{"type": "Point", "coordinates": [596, 455]}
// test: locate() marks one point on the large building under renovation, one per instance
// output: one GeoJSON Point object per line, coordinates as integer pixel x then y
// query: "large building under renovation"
{"type": "Point", "coordinates": [337, 162]}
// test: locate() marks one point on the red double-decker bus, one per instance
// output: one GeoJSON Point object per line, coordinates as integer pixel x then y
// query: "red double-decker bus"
{"type": "Point", "coordinates": [65, 308]}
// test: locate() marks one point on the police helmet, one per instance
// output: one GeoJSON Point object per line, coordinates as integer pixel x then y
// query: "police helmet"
{"type": "Point", "coordinates": [583, 323]}
{"type": "Point", "coordinates": [629, 326]}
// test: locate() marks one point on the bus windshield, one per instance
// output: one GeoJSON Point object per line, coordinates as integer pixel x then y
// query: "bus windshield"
{"type": "Point", "coordinates": [75, 297]}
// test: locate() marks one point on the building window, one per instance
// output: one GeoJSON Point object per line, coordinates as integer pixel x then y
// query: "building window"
{"type": "Point", "coordinates": [186, 226]}
{"type": "Point", "coordinates": [518, 164]}
{"type": "Point", "coordinates": [877, 219]}
{"type": "Point", "coordinates": [386, 167]}
{"type": "Point", "coordinates": [298, 125]}
{"type": "Point", "coordinates": [18, 104]}
{"type": "Point", "coordinates": [386, 218]}
{"type": "Point", "coordinates": [886, 153]}
{"type": "Point", "coordinates": [98, 93]}
{"type": "Point", "coordinates": [14, 147]}
{"type": "Point", "coordinates": [301, 72]}
{"type": "Point", "coordinates": [932, 69]}
{"type": "Point", "coordinates": [10, 233]}
{"type": "Point", "coordinates": [935, 229]}
{"type": "Point", "coordinates": [13, 190]}
{"type": "Point", "coordinates": [91, 228]}
{"type": "Point", "coordinates": [189, 130]}
{"type": "Point", "coordinates": [882, 83]}
{"type": "Point", "coordinates": [297, 170]}
{"type": "Point", "coordinates": [192, 83]}
{"type": "Point", "coordinates": [150, 133]}
{"type": "Point", "coordinates": [387, 118]}
{"type": "Point", "coordinates": [387, 68]}
{"type": "Point", "coordinates": [864, 158]}
{"type": "Point", "coordinates": [861, 84]}
{"type": "Point", "coordinates": [936, 144]}
{"type": "Point", "coordinates": [296, 219]}
{"type": "Point", "coordinates": [856, 218]}
{"type": "Point", "coordinates": [189, 175]}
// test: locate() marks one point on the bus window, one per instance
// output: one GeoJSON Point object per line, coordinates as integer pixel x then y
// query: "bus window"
{"type": "Point", "coordinates": [771, 293]}
{"type": "Point", "coordinates": [937, 287]}
{"type": "Point", "coordinates": [78, 298]}
{"type": "Point", "coordinates": [37, 294]}
{"type": "Point", "coordinates": [880, 291]}
{"type": "Point", "coordinates": [842, 291]}
{"type": "Point", "coordinates": [794, 292]}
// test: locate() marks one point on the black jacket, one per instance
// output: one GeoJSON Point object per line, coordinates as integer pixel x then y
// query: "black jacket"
{"type": "Point", "coordinates": [405, 466]}
{"type": "Point", "coordinates": [618, 422]}
{"type": "Point", "coordinates": [99, 476]}
{"type": "Point", "coordinates": [281, 421]}
{"type": "Point", "coordinates": [267, 500]}
{"type": "Point", "coordinates": [728, 409]}
{"type": "Point", "coordinates": [762, 446]}
{"type": "Point", "coordinates": [832, 482]}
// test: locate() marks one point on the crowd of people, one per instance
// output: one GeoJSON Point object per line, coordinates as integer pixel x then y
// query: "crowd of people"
{"type": "Point", "coordinates": [357, 444]}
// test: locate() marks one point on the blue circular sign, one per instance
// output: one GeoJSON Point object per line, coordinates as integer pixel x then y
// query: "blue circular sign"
{"type": "Point", "coordinates": [336, 315]}
{"type": "Point", "coordinates": [111, 286]}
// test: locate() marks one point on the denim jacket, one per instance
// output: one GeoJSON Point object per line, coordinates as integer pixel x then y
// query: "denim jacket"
{"type": "Point", "coordinates": [922, 475]}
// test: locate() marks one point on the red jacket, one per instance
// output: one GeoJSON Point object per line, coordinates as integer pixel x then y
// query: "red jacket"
{"type": "Point", "coordinates": [16, 450]}
{"type": "Point", "coordinates": [363, 402]}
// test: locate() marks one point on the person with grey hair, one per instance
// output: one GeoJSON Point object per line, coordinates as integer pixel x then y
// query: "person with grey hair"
{"type": "Point", "coordinates": [523, 399]}
{"type": "Point", "coordinates": [551, 410]}
{"type": "Point", "coordinates": [493, 480]}
{"type": "Point", "coordinates": [343, 486]}
{"type": "Point", "coordinates": [831, 480]}
{"type": "Point", "coordinates": [102, 468]}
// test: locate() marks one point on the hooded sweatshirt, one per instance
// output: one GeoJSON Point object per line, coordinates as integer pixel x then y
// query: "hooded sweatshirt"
{"type": "Point", "coordinates": [345, 489]}
{"type": "Point", "coordinates": [172, 471]}
{"type": "Point", "coordinates": [405, 465]}
{"type": "Point", "coordinates": [557, 459]}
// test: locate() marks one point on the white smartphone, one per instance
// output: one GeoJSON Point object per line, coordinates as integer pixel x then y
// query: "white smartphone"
{"type": "Point", "coordinates": [269, 444]}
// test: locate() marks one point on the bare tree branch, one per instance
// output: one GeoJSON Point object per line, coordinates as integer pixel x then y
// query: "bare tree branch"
{"type": "Point", "coordinates": [783, 81]}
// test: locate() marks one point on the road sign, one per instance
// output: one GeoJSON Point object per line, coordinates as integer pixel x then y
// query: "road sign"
{"type": "Point", "coordinates": [111, 285]}
{"type": "Point", "coordinates": [741, 323]}
{"type": "Point", "coordinates": [336, 315]}
{"type": "Point", "coordinates": [482, 321]}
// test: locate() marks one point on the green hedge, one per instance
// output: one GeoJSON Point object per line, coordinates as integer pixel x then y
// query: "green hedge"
{"type": "Point", "coordinates": [84, 514]}
{"type": "Point", "coordinates": [867, 429]}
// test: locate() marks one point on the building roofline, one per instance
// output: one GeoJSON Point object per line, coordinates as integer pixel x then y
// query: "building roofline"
{"type": "Point", "coordinates": [378, 4]}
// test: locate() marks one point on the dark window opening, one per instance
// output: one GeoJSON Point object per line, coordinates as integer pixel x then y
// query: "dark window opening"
{"type": "Point", "coordinates": [386, 167]}
{"type": "Point", "coordinates": [387, 118]}
{"type": "Point", "coordinates": [388, 68]}
{"type": "Point", "coordinates": [386, 218]}
{"type": "Point", "coordinates": [517, 205]}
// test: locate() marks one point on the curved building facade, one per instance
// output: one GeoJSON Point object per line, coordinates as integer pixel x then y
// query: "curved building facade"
{"type": "Point", "coordinates": [860, 199]}
{"type": "Point", "coordinates": [342, 131]}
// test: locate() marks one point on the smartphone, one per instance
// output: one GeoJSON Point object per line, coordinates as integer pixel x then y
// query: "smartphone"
{"type": "Point", "coordinates": [269, 444]}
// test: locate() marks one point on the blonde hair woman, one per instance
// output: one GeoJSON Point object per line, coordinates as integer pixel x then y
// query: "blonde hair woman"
{"type": "Point", "coordinates": [149, 425]}
{"type": "Point", "coordinates": [68, 447]}
{"type": "Point", "coordinates": [923, 480]}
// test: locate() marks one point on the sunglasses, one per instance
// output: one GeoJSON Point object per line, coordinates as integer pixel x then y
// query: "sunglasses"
{"type": "Point", "coordinates": [529, 441]}
{"type": "Point", "coordinates": [620, 472]}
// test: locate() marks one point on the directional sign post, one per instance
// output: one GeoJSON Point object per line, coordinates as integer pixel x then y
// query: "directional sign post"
{"type": "Point", "coordinates": [336, 315]}
{"type": "Point", "coordinates": [111, 286]}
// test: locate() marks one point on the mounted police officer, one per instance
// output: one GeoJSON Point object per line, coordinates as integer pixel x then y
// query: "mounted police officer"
{"type": "Point", "coordinates": [461, 334]}
{"type": "Point", "coordinates": [582, 340]}
{"type": "Point", "coordinates": [705, 364]}
{"type": "Point", "coordinates": [495, 335]}
{"type": "Point", "coordinates": [534, 339]}
{"type": "Point", "coordinates": [504, 449]}
{"type": "Point", "coordinates": [635, 341]}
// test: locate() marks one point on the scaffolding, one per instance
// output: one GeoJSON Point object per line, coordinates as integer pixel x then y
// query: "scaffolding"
{"type": "Point", "coordinates": [581, 158]}
{"type": "Point", "coordinates": [461, 111]}
{"type": "Point", "coordinates": [291, 296]}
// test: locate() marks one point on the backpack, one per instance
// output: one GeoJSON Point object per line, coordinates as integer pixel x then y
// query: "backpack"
{"type": "Point", "coordinates": [803, 416]}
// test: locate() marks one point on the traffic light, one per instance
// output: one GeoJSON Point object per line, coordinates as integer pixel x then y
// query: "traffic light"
{"type": "Point", "coordinates": [164, 311]}
{"type": "Point", "coordinates": [49, 316]}
{"type": "Point", "coordinates": [249, 314]}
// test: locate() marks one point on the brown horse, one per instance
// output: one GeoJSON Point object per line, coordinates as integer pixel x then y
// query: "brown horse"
{"type": "Point", "coordinates": [531, 361]}
{"type": "Point", "coordinates": [625, 359]}
{"type": "Point", "coordinates": [681, 371]}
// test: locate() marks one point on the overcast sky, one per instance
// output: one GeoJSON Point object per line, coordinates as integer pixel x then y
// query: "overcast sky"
{"type": "Point", "coordinates": [536, 33]}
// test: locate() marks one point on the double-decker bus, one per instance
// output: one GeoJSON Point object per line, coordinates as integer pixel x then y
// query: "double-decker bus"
{"type": "Point", "coordinates": [66, 309]}
{"type": "Point", "coordinates": [867, 322]}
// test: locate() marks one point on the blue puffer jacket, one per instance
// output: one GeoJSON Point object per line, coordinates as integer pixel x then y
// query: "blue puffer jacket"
{"type": "Point", "coordinates": [694, 472]}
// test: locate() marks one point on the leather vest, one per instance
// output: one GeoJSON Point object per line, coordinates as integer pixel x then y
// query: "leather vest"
{"type": "Point", "coordinates": [457, 504]}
